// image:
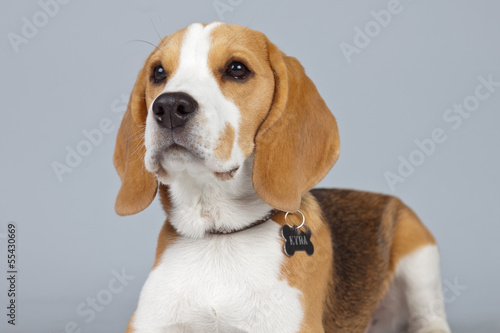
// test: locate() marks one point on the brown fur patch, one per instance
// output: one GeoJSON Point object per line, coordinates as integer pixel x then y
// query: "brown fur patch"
{"type": "Point", "coordinates": [138, 185]}
{"type": "Point", "coordinates": [370, 233]}
{"type": "Point", "coordinates": [310, 274]}
{"type": "Point", "coordinates": [167, 54]}
{"type": "Point", "coordinates": [410, 234]}
{"type": "Point", "coordinates": [167, 235]}
{"type": "Point", "coordinates": [253, 97]}
{"type": "Point", "coordinates": [225, 144]}
{"type": "Point", "coordinates": [298, 143]}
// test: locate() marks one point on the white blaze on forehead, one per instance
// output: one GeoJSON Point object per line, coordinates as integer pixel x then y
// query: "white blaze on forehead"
{"type": "Point", "coordinates": [195, 47]}
{"type": "Point", "coordinates": [194, 77]}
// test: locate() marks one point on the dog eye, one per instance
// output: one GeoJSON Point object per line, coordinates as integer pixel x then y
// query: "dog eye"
{"type": "Point", "coordinates": [159, 74]}
{"type": "Point", "coordinates": [237, 70]}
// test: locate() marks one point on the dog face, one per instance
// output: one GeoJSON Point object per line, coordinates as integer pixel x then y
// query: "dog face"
{"type": "Point", "coordinates": [209, 98]}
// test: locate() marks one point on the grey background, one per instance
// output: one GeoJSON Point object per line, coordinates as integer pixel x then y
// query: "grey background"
{"type": "Point", "coordinates": [72, 74]}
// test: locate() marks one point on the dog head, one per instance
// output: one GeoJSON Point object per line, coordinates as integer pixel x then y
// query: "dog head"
{"type": "Point", "coordinates": [212, 97]}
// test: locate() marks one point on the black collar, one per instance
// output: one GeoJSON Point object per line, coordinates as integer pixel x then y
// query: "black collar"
{"type": "Point", "coordinates": [269, 216]}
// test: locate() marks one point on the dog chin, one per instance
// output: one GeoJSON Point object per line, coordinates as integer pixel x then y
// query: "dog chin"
{"type": "Point", "coordinates": [177, 160]}
{"type": "Point", "coordinates": [170, 169]}
{"type": "Point", "coordinates": [195, 169]}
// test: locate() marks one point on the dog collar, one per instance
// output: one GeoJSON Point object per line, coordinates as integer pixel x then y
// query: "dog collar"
{"type": "Point", "coordinates": [266, 218]}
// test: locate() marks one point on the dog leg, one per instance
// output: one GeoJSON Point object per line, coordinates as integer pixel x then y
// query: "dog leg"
{"type": "Point", "coordinates": [422, 290]}
{"type": "Point", "coordinates": [414, 302]}
{"type": "Point", "coordinates": [391, 315]}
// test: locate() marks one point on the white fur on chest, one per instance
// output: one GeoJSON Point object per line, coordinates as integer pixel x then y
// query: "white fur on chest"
{"type": "Point", "coordinates": [221, 283]}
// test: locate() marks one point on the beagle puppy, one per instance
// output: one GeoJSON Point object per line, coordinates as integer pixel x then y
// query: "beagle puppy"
{"type": "Point", "coordinates": [232, 135]}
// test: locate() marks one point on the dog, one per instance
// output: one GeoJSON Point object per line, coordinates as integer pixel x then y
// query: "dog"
{"type": "Point", "coordinates": [233, 136]}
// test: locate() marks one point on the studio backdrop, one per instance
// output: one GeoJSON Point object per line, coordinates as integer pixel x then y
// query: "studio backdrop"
{"type": "Point", "coordinates": [414, 85]}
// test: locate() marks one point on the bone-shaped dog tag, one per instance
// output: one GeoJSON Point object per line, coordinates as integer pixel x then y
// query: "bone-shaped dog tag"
{"type": "Point", "coordinates": [297, 240]}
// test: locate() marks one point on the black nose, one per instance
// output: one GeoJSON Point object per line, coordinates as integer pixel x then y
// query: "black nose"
{"type": "Point", "coordinates": [173, 110]}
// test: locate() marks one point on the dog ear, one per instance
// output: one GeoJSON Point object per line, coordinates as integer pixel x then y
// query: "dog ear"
{"type": "Point", "coordinates": [298, 142]}
{"type": "Point", "coordinates": [139, 186]}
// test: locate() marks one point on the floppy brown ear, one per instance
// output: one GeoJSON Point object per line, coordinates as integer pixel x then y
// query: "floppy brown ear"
{"type": "Point", "coordinates": [139, 186]}
{"type": "Point", "coordinates": [298, 143]}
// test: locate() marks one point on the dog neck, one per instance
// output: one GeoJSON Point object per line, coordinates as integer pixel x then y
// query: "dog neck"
{"type": "Point", "coordinates": [201, 203]}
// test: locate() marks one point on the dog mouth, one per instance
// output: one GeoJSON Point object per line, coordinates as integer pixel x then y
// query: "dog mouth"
{"type": "Point", "coordinates": [176, 158]}
{"type": "Point", "coordinates": [176, 148]}
{"type": "Point", "coordinates": [226, 175]}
